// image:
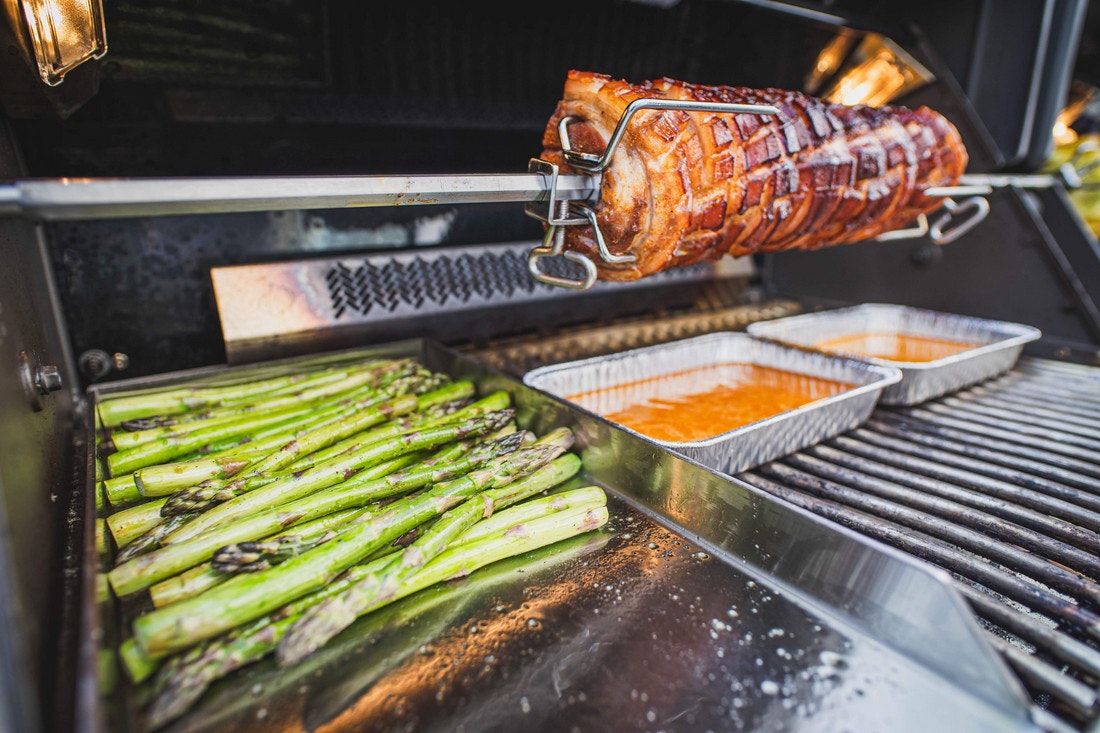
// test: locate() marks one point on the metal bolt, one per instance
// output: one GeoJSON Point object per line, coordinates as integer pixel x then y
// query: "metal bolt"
{"type": "Point", "coordinates": [121, 361]}
{"type": "Point", "coordinates": [47, 379]}
{"type": "Point", "coordinates": [926, 255]}
{"type": "Point", "coordinates": [95, 363]}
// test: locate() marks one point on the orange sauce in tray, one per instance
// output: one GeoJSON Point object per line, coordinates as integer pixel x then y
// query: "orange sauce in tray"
{"type": "Point", "coordinates": [895, 347]}
{"type": "Point", "coordinates": [700, 403]}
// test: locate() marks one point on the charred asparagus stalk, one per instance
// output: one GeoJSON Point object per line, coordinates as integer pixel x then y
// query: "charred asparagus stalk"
{"type": "Point", "coordinates": [153, 537]}
{"type": "Point", "coordinates": [203, 577]}
{"type": "Point", "coordinates": [145, 570]}
{"type": "Point", "coordinates": [309, 442]}
{"type": "Point", "coordinates": [248, 597]}
{"type": "Point", "coordinates": [291, 410]}
{"type": "Point", "coordinates": [187, 676]}
{"type": "Point", "coordinates": [339, 469]}
{"type": "Point", "coordinates": [167, 478]}
{"type": "Point", "coordinates": [327, 619]}
{"type": "Point", "coordinates": [242, 556]}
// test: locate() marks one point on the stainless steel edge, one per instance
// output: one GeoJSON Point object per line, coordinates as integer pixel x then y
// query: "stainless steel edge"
{"type": "Point", "coordinates": [88, 198]}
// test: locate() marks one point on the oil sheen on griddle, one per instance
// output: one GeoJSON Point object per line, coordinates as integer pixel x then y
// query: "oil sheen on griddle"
{"type": "Point", "coordinates": [895, 346]}
{"type": "Point", "coordinates": [700, 403]}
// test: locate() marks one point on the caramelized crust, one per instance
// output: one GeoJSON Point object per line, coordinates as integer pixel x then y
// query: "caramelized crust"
{"type": "Point", "coordinates": [683, 188]}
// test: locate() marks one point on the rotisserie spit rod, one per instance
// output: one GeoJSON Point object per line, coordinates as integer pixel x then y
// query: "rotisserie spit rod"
{"type": "Point", "coordinates": [87, 198]}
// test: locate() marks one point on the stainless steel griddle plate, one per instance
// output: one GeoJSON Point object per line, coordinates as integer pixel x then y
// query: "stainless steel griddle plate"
{"type": "Point", "coordinates": [703, 605]}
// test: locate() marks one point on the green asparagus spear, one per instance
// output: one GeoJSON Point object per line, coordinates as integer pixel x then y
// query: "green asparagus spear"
{"type": "Point", "coordinates": [328, 619]}
{"type": "Point", "coordinates": [129, 524]}
{"type": "Point", "coordinates": [138, 665]}
{"type": "Point", "coordinates": [182, 683]}
{"type": "Point", "coordinates": [150, 568]}
{"type": "Point", "coordinates": [114, 411]}
{"type": "Point", "coordinates": [339, 469]}
{"type": "Point", "coordinates": [247, 597]}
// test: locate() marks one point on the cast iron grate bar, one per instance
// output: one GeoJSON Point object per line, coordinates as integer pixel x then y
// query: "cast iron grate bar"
{"type": "Point", "coordinates": [976, 446]}
{"type": "Point", "coordinates": [999, 485]}
{"type": "Point", "coordinates": [1082, 416]}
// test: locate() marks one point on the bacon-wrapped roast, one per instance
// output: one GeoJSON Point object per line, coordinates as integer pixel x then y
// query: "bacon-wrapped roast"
{"type": "Point", "coordinates": [683, 188]}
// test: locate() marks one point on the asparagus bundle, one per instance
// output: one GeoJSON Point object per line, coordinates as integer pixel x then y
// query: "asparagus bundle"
{"type": "Point", "coordinates": [265, 516]}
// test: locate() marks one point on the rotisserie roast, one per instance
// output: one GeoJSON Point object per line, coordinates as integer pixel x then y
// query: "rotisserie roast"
{"type": "Point", "coordinates": [686, 187]}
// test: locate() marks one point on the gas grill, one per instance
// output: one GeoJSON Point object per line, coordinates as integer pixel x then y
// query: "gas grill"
{"type": "Point", "coordinates": [937, 567]}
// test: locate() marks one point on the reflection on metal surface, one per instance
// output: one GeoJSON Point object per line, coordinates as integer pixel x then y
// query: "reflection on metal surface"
{"type": "Point", "coordinates": [829, 60]}
{"type": "Point", "coordinates": [96, 198]}
{"type": "Point", "coordinates": [875, 73]}
{"type": "Point", "coordinates": [995, 484]}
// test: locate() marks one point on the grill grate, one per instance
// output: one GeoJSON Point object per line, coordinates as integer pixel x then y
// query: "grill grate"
{"type": "Point", "coordinates": [522, 354]}
{"type": "Point", "coordinates": [1000, 486]}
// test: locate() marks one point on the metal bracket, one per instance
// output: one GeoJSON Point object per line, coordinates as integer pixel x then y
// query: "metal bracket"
{"type": "Point", "coordinates": [546, 208]}
{"type": "Point", "coordinates": [947, 227]}
{"type": "Point", "coordinates": [553, 244]}
{"type": "Point", "coordinates": [919, 230]}
{"type": "Point", "coordinates": [557, 213]}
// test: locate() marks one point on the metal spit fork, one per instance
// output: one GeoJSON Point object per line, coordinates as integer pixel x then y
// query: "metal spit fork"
{"type": "Point", "coordinates": [559, 200]}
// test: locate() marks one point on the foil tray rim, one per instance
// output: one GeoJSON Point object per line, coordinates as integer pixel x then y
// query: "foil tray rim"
{"type": "Point", "coordinates": [750, 445]}
{"type": "Point", "coordinates": [920, 381]}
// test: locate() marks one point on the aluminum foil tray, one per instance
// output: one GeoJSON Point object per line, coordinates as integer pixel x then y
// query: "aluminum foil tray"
{"type": "Point", "coordinates": [759, 442]}
{"type": "Point", "coordinates": [1000, 344]}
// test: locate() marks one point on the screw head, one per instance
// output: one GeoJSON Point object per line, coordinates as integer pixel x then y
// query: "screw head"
{"type": "Point", "coordinates": [95, 363]}
{"type": "Point", "coordinates": [47, 378]}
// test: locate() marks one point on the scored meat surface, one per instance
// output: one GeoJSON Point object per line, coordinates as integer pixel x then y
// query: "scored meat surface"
{"type": "Point", "coordinates": [687, 187]}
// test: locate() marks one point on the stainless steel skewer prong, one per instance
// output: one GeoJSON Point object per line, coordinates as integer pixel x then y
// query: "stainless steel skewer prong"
{"type": "Point", "coordinates": [581, 213]}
